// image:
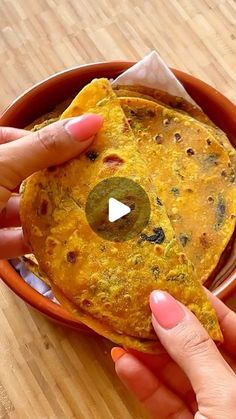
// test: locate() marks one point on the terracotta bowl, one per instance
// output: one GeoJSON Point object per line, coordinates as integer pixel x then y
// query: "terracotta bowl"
{"type": "Point", "coordinates": [44, 96]}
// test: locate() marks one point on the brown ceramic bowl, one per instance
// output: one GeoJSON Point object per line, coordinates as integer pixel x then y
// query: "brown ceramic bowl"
{"type": "Point", "coordinates": [44, 96]}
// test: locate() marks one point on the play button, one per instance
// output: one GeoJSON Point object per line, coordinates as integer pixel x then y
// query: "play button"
{"type": "Point", "coordinates": [117, 209]}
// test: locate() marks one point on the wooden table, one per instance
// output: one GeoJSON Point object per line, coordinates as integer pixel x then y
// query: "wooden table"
{"type": "Point", "coordinates": [47, 371]}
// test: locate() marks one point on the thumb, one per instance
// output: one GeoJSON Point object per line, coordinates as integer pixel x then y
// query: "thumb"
{"type": "Point", "coordinates": [52, 145]}
{"type": "Point", "coordinates": [187, 342]}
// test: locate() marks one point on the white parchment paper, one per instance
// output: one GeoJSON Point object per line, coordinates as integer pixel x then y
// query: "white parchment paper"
{"type": "Point", "coordinates": [152, 72]}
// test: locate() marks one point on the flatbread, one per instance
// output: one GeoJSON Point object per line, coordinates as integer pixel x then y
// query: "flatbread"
{"type": "Point", "coordinates": [182, 106]}
{"type": "Point", "coordinates": [107, 284]}
{"type": "Point", "coordinates": [163, 98]}
{"type": "Point", "coordinates": [49, 117]}
{"type": "Point", "coordinates": [194, 178]}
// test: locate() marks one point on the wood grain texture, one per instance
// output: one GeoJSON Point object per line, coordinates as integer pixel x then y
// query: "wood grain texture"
{"type": "Point", "coordinates": [47, 371]}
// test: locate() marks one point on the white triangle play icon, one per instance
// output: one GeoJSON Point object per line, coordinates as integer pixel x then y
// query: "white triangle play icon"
{"type": "Point", "coordinates": [117, 210]}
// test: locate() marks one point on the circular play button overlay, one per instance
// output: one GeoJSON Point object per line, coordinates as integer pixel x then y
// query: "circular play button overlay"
{"type": "Point", "coordinates": [117, 209]}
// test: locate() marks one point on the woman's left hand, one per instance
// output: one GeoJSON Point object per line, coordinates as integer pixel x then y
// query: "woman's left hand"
{"type": "Point", "coordinates": [23, 153]}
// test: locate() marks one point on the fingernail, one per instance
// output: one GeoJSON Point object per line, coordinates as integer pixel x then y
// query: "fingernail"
{"type": "Point", "coordinates": [85, 126]}
{"type": "Point", "coordinates": [166, 310]}
{"type": "Point", "coordinates": [117, 353]}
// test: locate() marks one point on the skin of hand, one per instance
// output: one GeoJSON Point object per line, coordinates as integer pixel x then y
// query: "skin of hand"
{"type": "Point", "coordinates": [194, 378]}
{"type": "Point", "coordinates": [23, 153]}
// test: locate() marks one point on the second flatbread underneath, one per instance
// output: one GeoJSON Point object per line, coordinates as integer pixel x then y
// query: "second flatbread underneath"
{"type": "Point", "coordinates": [194, 177]}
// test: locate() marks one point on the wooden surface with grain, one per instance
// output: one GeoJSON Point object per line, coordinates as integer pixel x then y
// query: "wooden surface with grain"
{"type": "Point", "coordinates": [47, 371]}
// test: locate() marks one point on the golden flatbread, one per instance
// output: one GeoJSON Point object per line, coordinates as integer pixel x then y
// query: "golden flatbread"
{"type": "Point", "coordinates": [182, 106]}
{"type": "Point", "coordinates": [194, 178]}
{"type": "Point", "coordinates": [164, 99]}
{"type": "Point", "coordinates": [107, 284]}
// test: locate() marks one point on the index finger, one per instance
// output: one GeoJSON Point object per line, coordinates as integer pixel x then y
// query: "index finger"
{"type": "Point", "coordinates": [227, 321]}
{"type": "Point", "coordinates": [158, 399]}
{"type": "Point", "coordinates": [170, 373]}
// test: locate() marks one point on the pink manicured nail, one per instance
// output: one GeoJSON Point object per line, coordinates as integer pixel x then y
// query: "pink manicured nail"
{"type": "Point", "coordinates": [166, 310]}
{"type": "Point", "coordinates": [84, 126]}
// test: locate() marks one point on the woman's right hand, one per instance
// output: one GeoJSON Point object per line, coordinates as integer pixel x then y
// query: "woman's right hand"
{"type": "Point", "coordinates": [194, 379]}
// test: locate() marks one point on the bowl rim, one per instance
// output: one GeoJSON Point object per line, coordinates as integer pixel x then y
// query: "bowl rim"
{"type": "Point", "coordinates": [9, 275]}
{"type": "Point", "coordinates": [36, 300]}
{"type": "Point", "coordinates": [211, 91]}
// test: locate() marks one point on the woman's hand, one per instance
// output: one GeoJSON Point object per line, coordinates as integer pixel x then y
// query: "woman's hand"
{"type": "Point", "coordinates": [23, 153]}
{"type": "Point", "coordinates": [195, 379]}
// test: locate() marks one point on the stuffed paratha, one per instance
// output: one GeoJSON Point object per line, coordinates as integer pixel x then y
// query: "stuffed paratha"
{"type": "Point", "coordinates": [194, 177]}
{"type": "Point", "coordinates": [107, 284]}
{"type": "Point", "coordinates": [164, 99]}
{"type": "Point", "coordinates": [182, 106]}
